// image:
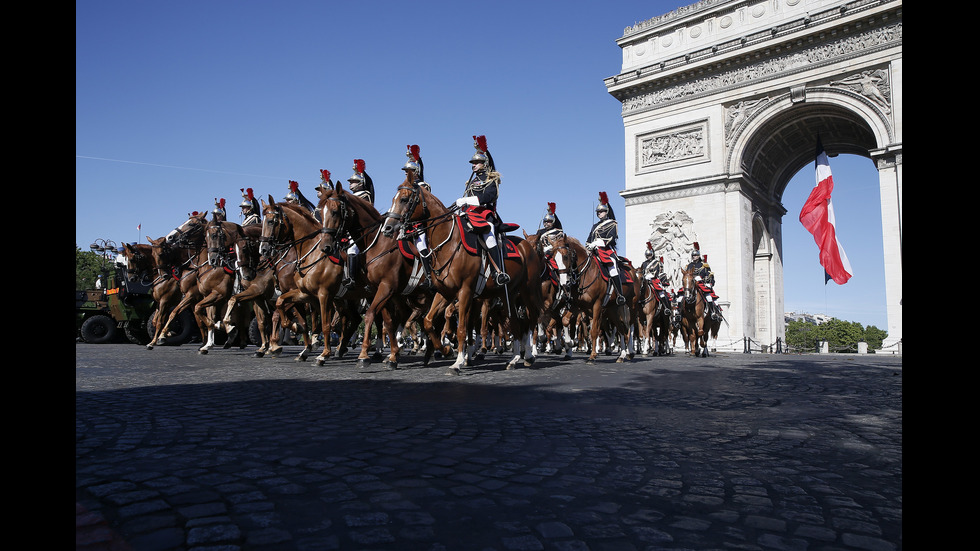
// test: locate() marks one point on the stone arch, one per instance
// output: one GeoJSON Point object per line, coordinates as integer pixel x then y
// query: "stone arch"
{"type": "Point", "coordinates": [749, 99]}
{"type": "Point", "coordinates": [773, 144]}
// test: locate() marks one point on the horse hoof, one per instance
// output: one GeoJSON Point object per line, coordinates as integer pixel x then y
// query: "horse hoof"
{"type": "Point", "coordinates": [319, 361]}
{"type": "Point", "coordinates": [149, 347]}
{"type": "Point", "coordinates": [452, 371]}
{"type": "Point", "coordinates": [202, 352]}
{"type": "Point", "coordinates": [590, 361]}
{"type": "Point", "coordinates": [363, 362]}
{"type": "Point", "coordinates": [391, 365]}
{"type": "Point", "coordinates": [529, 363]}
{"type": "Point", "coordinates": [258, 354]}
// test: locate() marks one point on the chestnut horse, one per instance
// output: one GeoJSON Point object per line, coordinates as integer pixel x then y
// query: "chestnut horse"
{"type": "Point", "coordinates": [387, 276]}
{"type": "Point", "coordinates": [656, 317]}
{"type": "Point", "coordinates": [175, 259]}
{"type": "Point", "coordinates": [462, 276]}
{"type": "Point", "coordinates": [275, 247]}
{"type": "Point", "coordinates": [235, 248]}
{"type": "Point", "coordinates": [554, 298]}
{"type": "Point", "coordinates": [590, 293]}
{"type": "Point", "coordinates": [317, 276]}
{"type": "Point", "coordinates": [695, 320]}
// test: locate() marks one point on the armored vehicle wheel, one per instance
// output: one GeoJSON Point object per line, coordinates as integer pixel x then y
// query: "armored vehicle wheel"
{"type": "Point", "coordinates": [98, 329]}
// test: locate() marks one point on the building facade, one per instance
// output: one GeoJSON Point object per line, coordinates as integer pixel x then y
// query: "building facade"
{"type": "Point", "coordinates": [722, 102]}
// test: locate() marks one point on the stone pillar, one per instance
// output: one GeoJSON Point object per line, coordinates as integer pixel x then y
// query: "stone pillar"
{"type": "Point", "coordinates": [890, 184]}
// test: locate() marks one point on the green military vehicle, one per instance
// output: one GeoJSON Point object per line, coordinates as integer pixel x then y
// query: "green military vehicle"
{"type": "Point", "coordinates": [123, 313]}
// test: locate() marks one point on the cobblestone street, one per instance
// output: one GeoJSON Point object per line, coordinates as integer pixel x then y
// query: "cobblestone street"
{"type": "Point", "coordinates": [180, 451]}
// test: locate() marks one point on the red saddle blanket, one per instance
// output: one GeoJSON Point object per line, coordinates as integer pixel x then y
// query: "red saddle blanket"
{"type": "Point", "coordinates": [471, 241]}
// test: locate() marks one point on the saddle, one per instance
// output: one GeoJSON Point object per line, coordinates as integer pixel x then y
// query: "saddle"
{"type": "Point", "coordinates": [606, 257]}
{"type": "Point", "coordinates": [473, 243]}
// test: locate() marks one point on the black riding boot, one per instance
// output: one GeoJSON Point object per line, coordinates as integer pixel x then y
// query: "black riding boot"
{"type": "Point", "coordinates": [618, 283]}
{"type": "Point", "coordinates": [500, 276]}
{"type": "Point", "coordinates": [351, 270]}
{"type": "Point", "coordinates": [427, 266]}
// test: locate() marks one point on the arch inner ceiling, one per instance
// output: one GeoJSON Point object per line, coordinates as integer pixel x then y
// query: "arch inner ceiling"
{"type": "Point", "coordinates": [787, 142]}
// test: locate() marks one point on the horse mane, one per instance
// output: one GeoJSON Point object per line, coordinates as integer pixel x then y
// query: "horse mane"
{"type": "Point", "coordinates": [300, 210]}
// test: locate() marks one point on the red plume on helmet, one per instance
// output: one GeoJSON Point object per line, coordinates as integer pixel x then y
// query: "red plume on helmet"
{"type": "Point", "coordinates": [293, 186]}
{"type": "Point", "coordinates": [222, 203]}
{"type": "Point", "coordinates": [480, 142]}
{"type": "Point", "coordinates": [416, 152]}
{"type": "Point", "coordinates": [248, 194]}
{"type": "Point", "coordinates": [359, 165]}
{"type": "Point", "coordinates": [603, 198]}
{"type": "Point", "coordinates": [325, 175]}
{"type": "Point", "coordinates": [649, 246]}
{"type": "Point", "coordinates": [551, 208]}
{"type": "Point", "coordinates": [696, 246]}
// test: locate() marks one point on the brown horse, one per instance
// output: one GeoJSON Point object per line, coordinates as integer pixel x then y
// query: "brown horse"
{"type": "Point", "coordinates": [387, 279]}
{"type": "Point", "coordinates": [656, 318]}
{"type": "Point", "coordinates": [458, 274]}
{"type": "Point", "coordinates": [235, 247]}
{"type": "Point", "coordinates": [175, 259]}
{"type": "Point", "coordinates": [694, 317]}
{"type": "Point", "coordinates": [215, 285]}
{"type": "Point", "coordinates": [551, 326]}
{"type": "Point", "coordinates": [276, 248]}
{"type": "Point", "coordinates": [317, 275]}
{"type": "Point", "coordinates": [589, 292]}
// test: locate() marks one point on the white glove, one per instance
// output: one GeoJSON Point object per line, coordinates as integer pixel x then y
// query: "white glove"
{"type": "Point", "coordinates": [464, 201]}
{"type": "Point", "coordinates": [595, 244]}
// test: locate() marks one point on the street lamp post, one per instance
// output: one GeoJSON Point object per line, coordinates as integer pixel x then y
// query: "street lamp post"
{"type": "Point", "coordinates": [105, 248]}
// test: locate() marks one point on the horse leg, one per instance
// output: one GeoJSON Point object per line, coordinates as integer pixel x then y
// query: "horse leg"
{"type": "Point", "coordinates": [325, 323]}
{"type": "Point", "coordinates": [462, 328]}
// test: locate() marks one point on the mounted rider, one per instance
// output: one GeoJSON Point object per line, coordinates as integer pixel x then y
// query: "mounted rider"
{"type": "Point", "coordinates": [705, 279]}
{"type": "Point", "coordinates": [360, 185]}
{"type": "Point", "coordinates": [296, 197]}
{"type": "Point", "coordinates": [414, 169]}
{"type": "Point", "coordinates": [653, 273]}
{"type": "Point", "coordinates": [324, 187]}
{"type": "Point", "coordinates": [550, 227]}
{"type": "Point", "coordinates": [478, 205]}
{"type": "Point", "coordinates": [219, 214]}
{"type": "Point", "coordinates": [250, 208]}
{"type": "Point", "coordinates": [602, 243]}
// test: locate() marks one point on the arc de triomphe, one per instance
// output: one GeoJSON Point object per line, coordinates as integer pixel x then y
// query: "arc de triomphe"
{"type": "Point", "coordinates": [722, 101]}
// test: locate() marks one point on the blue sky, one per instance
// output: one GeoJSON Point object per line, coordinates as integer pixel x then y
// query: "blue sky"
{"type": "Point", "coordinates": [178, 103]}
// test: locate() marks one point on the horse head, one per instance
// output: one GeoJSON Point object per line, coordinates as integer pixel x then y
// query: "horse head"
{"type": "Point", "coordinates": [337, 218]}
{"type": "Point", "coordinates": [190, 232]}
{"type": "Point", "coordinates": [275, 227]}
{"type": "Point", "coordinates": [220, 239]}
{"type": "Point", "coordinates": [407, 204]}
{"type": "Point", "coordinates": [139, 260]}
{"type": "Point", "coordinates": [565, 251]}
{"type": "Point", "coordinates": [688, 281]}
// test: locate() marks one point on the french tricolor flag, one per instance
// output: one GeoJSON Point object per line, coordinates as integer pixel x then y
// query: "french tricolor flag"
{"type": "Point", "coordinates": [817, 216]}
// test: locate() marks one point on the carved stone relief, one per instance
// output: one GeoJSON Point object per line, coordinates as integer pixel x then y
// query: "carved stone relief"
{"type": "Point", "coordinates": [672, 238]}
{"type": "Point", "coordinates": [688, 143]}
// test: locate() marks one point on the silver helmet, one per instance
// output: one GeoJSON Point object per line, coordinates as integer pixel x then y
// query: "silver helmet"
{"type": "Point", "coordinates": [357, 178]}
{"type": "Point", "coordinates": [413, 158]}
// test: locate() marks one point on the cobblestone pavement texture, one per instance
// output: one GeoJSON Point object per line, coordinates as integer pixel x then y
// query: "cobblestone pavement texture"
{"type": "Point", "coordinates": [180, 451]}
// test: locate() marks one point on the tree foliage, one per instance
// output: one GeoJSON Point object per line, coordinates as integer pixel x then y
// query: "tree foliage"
{"type": "Point", "coordinates": [88, 266]}
{"type": "Point", "coordinates": [841, 336]}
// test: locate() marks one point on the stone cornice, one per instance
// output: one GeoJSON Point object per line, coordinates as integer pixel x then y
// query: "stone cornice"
{"type": "Point", "coordinates": [777, 67]}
